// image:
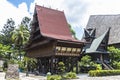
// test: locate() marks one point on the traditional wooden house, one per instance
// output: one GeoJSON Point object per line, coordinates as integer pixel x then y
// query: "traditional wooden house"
{"type": "Point", "coordinates": [97, 47]}
{"type": "Point", "coordinates": [102, 22]}
{"type": "Point", "coordinates": [51, 41]}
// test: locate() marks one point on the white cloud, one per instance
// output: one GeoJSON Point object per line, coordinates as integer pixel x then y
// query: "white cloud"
{"type": "Point", "coordinates": [74, 10]}
{"type": "Point", "coordinates": [101, 7]}
{"type": "Point", "coordinates": [7, 10]}
{"type": "Point", "coordinates": [77, 12]}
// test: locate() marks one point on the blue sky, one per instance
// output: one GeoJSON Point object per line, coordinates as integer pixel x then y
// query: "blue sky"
{"type": "Point", "coordinates": [77, 12]}
{"type": "Point", "coordinates": [17, 2]}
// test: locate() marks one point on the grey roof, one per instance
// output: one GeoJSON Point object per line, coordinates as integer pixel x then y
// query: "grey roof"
{"type": "Point", "coordinates": [102, 22]}
{"type": "Point", "coordinates": [96, 43]}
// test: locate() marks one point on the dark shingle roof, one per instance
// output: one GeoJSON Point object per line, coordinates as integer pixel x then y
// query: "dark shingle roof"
{"type": "Point", "coordinates": [103, 22]}
{"type": "Point", "coordinates": [53, 23]}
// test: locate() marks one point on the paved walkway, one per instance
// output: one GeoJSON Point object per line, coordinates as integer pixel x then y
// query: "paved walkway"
{"type": "Point", "coordinates": [24, 77]}
{"type": "Point", "coordinates": [80, 76]}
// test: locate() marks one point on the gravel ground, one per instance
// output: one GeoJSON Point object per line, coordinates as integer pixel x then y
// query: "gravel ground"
{"type": "Point", "coordinates": [80, 76]}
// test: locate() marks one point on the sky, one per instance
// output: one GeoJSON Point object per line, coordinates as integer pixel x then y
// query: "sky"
{"type": "Point", "coordinates": [77, 12]}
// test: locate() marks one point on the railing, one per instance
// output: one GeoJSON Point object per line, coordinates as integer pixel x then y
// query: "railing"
{"type": "Point", "coordinates": [67, 51]}
{"type": "Point", "coordinates": [67, 54]}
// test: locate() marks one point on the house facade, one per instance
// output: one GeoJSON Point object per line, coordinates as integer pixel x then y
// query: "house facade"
{"type": "Point", "coordinates": [51, 41]}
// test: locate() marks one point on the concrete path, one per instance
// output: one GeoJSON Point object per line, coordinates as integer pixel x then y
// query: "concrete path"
{"type": "Point", "coordinates": [24, 77]}
{"type": "Point", "coordinates": [80, 76]}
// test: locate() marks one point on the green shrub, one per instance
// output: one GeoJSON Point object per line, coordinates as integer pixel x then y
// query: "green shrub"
{"type": "Point", "coordinates": [61, 67]}
{"type": "Point", "coordinates": [98, 67]}
{"type": "Point", "coordinates": [86, 64]}
{"type": "Point", "coordinates": [116, 65]}
{"type": "Point", "coordinates": [54, 77]}
{"type": "Point", "coordinates": [70, 75]}
{"type": "Point", "coordinates": [103, 72]}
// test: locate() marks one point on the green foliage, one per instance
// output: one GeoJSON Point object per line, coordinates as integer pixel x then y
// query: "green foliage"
{"type": "Point", "coordinates": [12, 41]}
{"type": "Point", "coordinates": [70, 75]}
{"type": "Point", "coordinates": [94, 73]}
{"type": "Point", "coordinates": [20, 37]}
{"type": "Point", "coordinates": [5, 51]}
{"type": "Point", "coordinates": [115, 53]}
{"type": "Point", "coordinates": [87, 64]}
{"type": "Point", "coordinates": [115, 57]}
{"type": "Point", "coordinates": [5, 33]}
{"type": "Point", "coordinates": [54, 77]}
{"type": "Point", "coordinates": [11, 61]}
{"type": "Point", "coordinates": [85, 60]}
{"type": "Point", "coordinates": [29, 62]}
{"type": "Point", "coordinates": [26, 22]}
{"type": "Point", "coordinates": [61, 67]}
{"type": "Point", "coordinates": [72, 31]}
{"type": "Point", "coordinates": [116, 65]}
{"type": "Point", "coordinates": [98, 67]}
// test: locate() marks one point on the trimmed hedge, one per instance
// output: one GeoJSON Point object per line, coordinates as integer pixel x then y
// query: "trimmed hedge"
{"type": "Point", "coordinates": [94, 73]}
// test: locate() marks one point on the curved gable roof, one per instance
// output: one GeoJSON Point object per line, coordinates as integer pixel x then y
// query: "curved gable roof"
{"type": "Point", "coordinates": [53, 23]}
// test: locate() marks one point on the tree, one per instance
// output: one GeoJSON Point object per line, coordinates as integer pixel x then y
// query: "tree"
{"type": "Point", "coordinates": [5, 51]}
{"type": "Point", "coordinates": [87, 64]}
{"type": "Point", "coordinates": [26, 22]}
{"type": "Point", "coordinates": [114, 53]}
{"type": "Point", "coordinates": [72, 31]}
{"type": "Point", "coordinates": [20, 37]}
{"type": "Point", "coordinates": [5, 33]}
{"type": "Point", "coordinates": [115, 57]}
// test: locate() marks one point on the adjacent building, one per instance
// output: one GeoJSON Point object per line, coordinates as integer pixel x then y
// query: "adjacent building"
{"type": "Point", "coordinates": [102, 22]}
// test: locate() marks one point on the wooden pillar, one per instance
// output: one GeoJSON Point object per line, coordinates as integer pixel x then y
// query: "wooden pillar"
{"type": "Point", "coordinates": [72, 65]}
{"type": "Point", "coordinates": [52, 68]}
{"type": "Point", "coordinates": [47, 64]}
{"type": "Point", "coordinates": [67, 64]}
{"type": "Point", "coordinates": [77, 65]}
{"type": "Point", "coordinates": [38, 65]}
{"type": "Point", "coordinates": [56, 65]}
{"type": "Point", "coordinates": [101, 57]}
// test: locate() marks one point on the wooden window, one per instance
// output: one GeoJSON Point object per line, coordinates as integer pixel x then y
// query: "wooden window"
{"type": "Point", "coordinates": [58, 48]}
{"type": "Point", "coordinates": [63, 49]}
{"type": "Point", "coordinates": [73, 50]}
{"type": "Point", "coordinates": [78, 50]}
{"type": "Point", "coordinates": [69, 50]}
